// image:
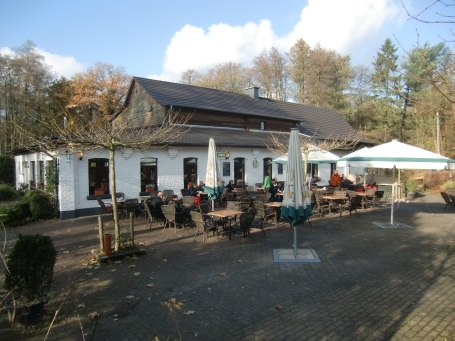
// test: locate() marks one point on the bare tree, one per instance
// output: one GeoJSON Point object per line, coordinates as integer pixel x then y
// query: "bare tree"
{"type": "Point", "coordinates": [104, 134]}
{"type": "Point", "coordinates": [233, 77]}
{"type": "Point", "coordinates": [270, 72]}
{"type": "Point", "coordinates": [189, 77]}
{"type": "Point", "coordinates": [279, 144]}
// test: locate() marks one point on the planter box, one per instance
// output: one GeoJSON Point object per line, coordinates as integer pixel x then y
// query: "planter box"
{"type": "Point", "coordinates": [99, 192]}
{"type": "Point", "coordinates": [149, 189]}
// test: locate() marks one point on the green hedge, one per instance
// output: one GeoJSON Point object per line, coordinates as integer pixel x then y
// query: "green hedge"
{"type": "Point", "coordinates": [7, 192]}
{"type": "Point", "coordinates": [40, 205]}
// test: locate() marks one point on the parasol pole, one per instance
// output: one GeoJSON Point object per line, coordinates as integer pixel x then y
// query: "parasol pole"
{"type": "Point", "coordinates": [391, 206]}
{"type": "Point", "coordinates": [295, 241]}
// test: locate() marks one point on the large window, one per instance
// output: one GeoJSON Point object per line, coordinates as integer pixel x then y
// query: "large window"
{"type": "Point", "coordinates": [98, 175]}
{"type": "Point", "coordinates": [149, 174]}
{"type": "Point", "coordinates": [239, 171]}
{"type": "Point", "coordinates": [189, 170]}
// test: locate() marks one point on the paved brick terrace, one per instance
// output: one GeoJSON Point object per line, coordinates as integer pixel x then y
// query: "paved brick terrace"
{"type": "Point", "coordinates": [371, 284]}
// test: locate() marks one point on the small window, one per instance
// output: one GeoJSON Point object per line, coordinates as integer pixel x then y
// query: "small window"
{"type": "Point", "coordinates": [262, 125]}
{"type": "Point", "coordinates": [280, 168]}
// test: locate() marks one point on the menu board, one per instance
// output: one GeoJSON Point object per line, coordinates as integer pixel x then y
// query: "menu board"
{"type": "Point", "coordinates": [226, 169]}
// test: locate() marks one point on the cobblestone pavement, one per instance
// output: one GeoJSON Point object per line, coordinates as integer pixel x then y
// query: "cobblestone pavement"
{"type": "Point", "coordinates": [371, 284]}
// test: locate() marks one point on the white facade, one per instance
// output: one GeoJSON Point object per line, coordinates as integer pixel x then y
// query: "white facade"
{"type": "Point", "coordinates": [74, 199]}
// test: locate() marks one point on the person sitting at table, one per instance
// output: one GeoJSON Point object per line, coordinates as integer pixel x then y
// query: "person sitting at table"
{"type": "Point", "coordinates": [230, 186]}
{"type": "Point", "coordinates": [335, 179]}
{"type": "Point", "coordinates": [191, 190]}
{"type": "Point", "coordinates": [155, 204]}
{"type": "Point", "coordinates": [182, 214]}
{"type": "Point", "coordinates": [279, 190]}
{"type": "Point", "coordinates": [345, 182]}
{"type": "Point", "coordinates": [201, 187]}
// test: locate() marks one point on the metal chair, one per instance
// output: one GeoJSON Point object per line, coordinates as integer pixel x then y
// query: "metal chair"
{"type": "Point", "coordinates": [375, 198]}
{"type": "Point", "coordinates": [119, 195]}
{"type": "Point", "coordinates": [152, 214]}
{"type": "Point", "coordinates": [244, 223]}
{"type": "Point", "coordinates": [352, 204]}
{"type": "Point", "coordinates": [167, 195]}
{"type": "Point", "coordinates": [130, 206]}
{"type": "Point", "coordinates": [106, 208]}
{"type": "Point", "coordinates": [448, 200]}
{"type": "Point", "coordinates": [204, 225]}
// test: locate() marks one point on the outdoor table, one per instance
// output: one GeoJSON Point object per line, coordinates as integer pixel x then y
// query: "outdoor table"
{"type": "Point", "coordinates": [276, 209]}
{"type": "Point", "coordinates": [364, 196]}
{"type": "Point", "coordinates": [223, 214]}
{"type": "Point", "coordinates": [143, 198]}
{"type": "Point", "coordinates": [338, 199]}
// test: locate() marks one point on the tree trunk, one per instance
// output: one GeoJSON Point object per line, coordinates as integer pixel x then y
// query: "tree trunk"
{"type": "Point", "coordinates": [114, 200]}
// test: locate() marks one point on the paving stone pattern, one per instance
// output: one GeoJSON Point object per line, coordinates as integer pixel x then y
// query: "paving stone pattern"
{"type": "Point", "coordinates": [371, 284]}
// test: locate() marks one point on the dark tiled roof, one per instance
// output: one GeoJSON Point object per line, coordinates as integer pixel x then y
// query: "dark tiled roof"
{"type": "Point", "coordinates": [199, 136]}
{"type": "Point", "coordinates": [317, 122]}
{"type": "Point", "coordinates": [196, 97]}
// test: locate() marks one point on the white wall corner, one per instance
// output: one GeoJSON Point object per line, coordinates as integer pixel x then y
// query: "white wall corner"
{"type": "Point", "coordinates": [172, 152]}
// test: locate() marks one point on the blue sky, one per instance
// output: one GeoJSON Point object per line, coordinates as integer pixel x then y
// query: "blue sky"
{"type": "Point", "coordinates": [161, 39]}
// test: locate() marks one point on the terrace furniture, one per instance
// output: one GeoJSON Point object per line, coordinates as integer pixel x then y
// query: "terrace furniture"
{"type": "Point", "coordinates": [244, 223]}
{"type": "Point", "coordinates": [172, 216]}
{"type": "Point", "coordinates": [448, 200]}
{"type": "Point", "coordinates": [106, 208]}
{"type": "Point", "coordinates": [204, 225]}
{"type": "Point", "coordinates": [130, 206]}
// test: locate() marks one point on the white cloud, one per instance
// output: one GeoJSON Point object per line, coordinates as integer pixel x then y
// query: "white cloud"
{"type": "Point", "coordinates": [63, 66]}
{"type": "Point", "coordinates": [192, 48]}
{"type": "Point", "coordinates": [349, 26]}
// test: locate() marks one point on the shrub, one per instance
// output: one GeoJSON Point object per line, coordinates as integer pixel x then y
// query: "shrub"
{"type": "Point", "coordinates": [411, 186]}
{"type": "Point", "coordinates": [450, 184]}
{"type": "Point", "coordinates": [22, 187]}
{"type": "Point", "coordinates": [8, 211]}
{"type": "Point", "coordinates": [7, 192]}
{"type": "Point", "coordinates": [6, 170]}
{"type": "Point", "coordinates": [40, 205]}
{"type": "Point", "coordinates": [21, 212]}
{"type": "Point", "coordinates": [31, 266]}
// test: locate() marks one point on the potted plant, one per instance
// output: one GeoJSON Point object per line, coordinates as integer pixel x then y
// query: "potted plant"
{"type": "Point", "coordinates": [411, 188]}
{"type": "Point", "coordinates": [32, 183]}
{"type": "Point", "coordinates": [29, 275]}
{"type": "Point", "coordinates": [150, 188]}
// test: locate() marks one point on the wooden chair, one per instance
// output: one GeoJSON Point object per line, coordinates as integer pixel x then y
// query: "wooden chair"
{"type": "Point", "coordinates": [204, 225]}
{"type": "Point", "coordinates": [106, 208]}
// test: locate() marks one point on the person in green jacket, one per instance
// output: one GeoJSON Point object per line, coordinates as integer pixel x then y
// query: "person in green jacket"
{"type": "Point", "coordinates": [267, 183]}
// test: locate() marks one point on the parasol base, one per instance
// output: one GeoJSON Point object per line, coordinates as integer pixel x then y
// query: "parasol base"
{"type": "Point", "coordinates": [395, 225]}
{"type": "Point", "coordinates": [303, 256]}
